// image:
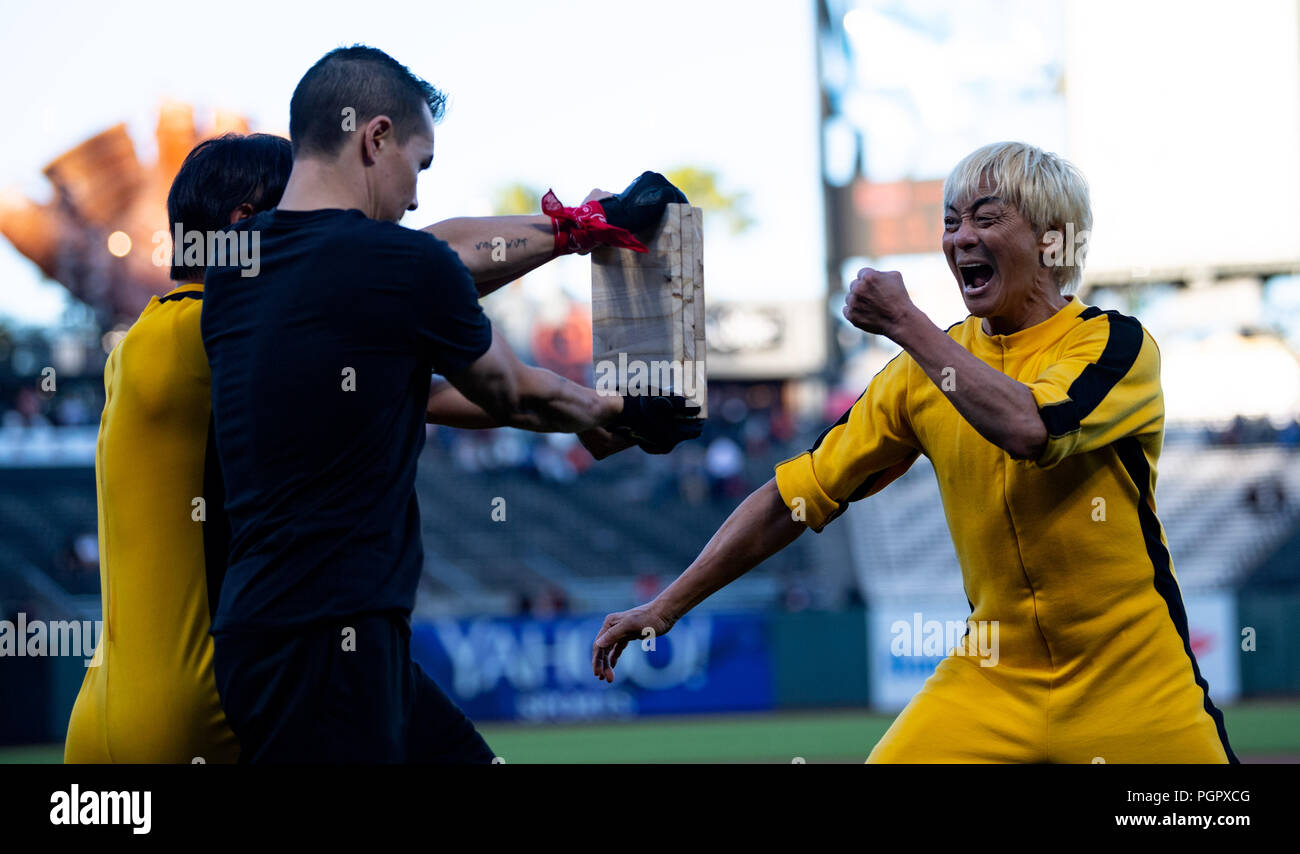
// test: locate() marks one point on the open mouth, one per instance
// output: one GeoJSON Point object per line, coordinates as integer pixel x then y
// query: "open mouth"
{"type": "Point", "coordinates": [975, 277]}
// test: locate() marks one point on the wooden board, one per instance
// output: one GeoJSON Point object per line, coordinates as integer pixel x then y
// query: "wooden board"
{"type": "Point", "coordinates": [647, 310]}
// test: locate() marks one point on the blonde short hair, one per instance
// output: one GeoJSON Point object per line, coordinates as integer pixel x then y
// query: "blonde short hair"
{"type": "Point", "coordinates": [1048, 191]}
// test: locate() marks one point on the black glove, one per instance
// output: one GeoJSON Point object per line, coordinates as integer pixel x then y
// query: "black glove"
{"type": "Point", "coordinates": [641, 206]}
{"type": "Point", "coordinates": [657, 423]}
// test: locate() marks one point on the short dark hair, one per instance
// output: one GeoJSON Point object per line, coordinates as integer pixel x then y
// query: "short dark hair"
{"type": "Point", "coordinates": [221, 174]}
{"type": "Point", "coordinates": [365, 80]}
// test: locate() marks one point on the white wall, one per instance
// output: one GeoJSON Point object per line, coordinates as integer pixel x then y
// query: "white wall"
{"type": "Point", "coordinates": [1185, 117]}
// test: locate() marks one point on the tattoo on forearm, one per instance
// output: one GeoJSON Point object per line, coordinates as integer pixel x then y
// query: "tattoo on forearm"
{"type": "Point", "coordinates": [516, 243]}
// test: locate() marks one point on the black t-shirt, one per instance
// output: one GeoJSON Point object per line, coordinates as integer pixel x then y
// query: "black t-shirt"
{"type": "Point", "coordinates": [321, 365]}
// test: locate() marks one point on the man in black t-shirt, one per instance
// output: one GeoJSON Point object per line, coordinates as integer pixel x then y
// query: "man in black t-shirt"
{"type": "Point", "coordinates": [321, 355]}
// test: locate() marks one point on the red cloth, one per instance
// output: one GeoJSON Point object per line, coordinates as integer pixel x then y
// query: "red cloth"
{"type": "Point", "coordinates": [582, 228]}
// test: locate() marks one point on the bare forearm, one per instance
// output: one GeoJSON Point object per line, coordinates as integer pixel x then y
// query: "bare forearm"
{"type": "Point", "coordinates": [760, 527]}
{"type": "Point", "coordinates": [498, 249]}
{"type": "Point", "coordinates": [516, 395]}
{"type": "Point", "coordinates": [1000, 408]}
{"type": "Point", "coordinates": [450, 408]}
{"type": "Point", "coordinates": [548, 403]}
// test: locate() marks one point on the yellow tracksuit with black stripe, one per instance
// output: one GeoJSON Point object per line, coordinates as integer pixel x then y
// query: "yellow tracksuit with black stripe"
{"type": "Point", "coordinates": [153, 696]}
{"type": "Point", "coordinates": [1065, 552]}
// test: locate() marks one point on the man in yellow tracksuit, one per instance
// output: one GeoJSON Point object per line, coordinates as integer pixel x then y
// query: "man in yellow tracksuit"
{"type": "Point", "coordinates": [1044, 419]}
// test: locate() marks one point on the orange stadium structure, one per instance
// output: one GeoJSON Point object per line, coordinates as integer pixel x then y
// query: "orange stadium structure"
{"type": "Point", "coordinates": [99, 234]}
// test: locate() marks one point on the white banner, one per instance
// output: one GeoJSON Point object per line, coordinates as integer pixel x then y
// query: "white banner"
{"type": "Point", "coordinates": [907, 640]}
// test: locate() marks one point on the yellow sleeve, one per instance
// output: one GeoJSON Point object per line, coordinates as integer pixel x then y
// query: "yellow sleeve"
{"type": "Point", "coordinates": [867, 449]}
{"type": "Point", "coordinates": [189, 339]}
{"type": "Point", "coordinates": [1105, 386]}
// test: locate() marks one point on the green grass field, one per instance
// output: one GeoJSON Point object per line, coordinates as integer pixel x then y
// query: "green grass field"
{"type": "Point", "coordinates": [1260, 732]}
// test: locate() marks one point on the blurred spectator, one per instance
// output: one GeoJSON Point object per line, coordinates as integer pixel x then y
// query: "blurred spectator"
{"type": "Point", "coordinates": [795, 597]}
{"type": "Point", "coordinates": [725, 464]}
{"type": "Point", "coordinates": [28, 411]}
{"type": "Point", "coordinates": [72, 411]}
{"type": "Point", "coordinates": [1255, 431]}
{"type": "Point", "coordinates": [733, 411]}
{"type": "Point", "coordinates": [646, 587]}
{"type": "Point", "coordinates": [1266, 496]}
{"type": "Point", "coordinates": [77, 566]}
{"type": "Point", "coordinates": [688, 468]}
{"type": "Point", "coordinates": [550, 458]}
{"type": "Point", "coordinates": [551, 602]}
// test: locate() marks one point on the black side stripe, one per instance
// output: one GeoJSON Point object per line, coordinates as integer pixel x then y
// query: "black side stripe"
{"type": "Point", "coordinates": [844, 419]}
{"type": "Point", "coordinates": [866, 485]}
{"type": "Point", "coordinates": [216, 527]}
{"type": "Point", "coordinates": [182, 295]}
{"type": "Point", "coordinates": [1094, 382]}
{"type": "Point", "coordinates": [1135, 463]}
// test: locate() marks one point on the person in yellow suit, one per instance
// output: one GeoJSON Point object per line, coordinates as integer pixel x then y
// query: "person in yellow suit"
{"type": "Point", "coordinates": [163, 532]}
{"type": "Point", "coordinates": [150, 695]}
{"type": "Point", "coordinates": [1044, 419]}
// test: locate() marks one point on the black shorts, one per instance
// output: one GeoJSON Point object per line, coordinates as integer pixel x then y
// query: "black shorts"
{"type": "Point", "coordinates": [345, 691]}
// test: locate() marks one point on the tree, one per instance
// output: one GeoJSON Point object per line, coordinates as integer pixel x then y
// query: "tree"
{"type": "Point", "coordinates": [699, 184]}
{"type": "Point", "coordinates": [701, 187]}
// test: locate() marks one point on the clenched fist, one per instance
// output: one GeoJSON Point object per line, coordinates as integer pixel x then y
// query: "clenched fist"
{"type": "Point", "coordinates": [878, 302]}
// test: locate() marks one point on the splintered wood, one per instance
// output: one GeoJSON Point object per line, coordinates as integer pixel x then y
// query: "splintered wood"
{"type": "Point", "coordinates": [647, 312]}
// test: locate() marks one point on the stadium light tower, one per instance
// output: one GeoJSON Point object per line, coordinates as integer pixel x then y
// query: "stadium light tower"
{"type": "Point", "coordinates": [841, 157]}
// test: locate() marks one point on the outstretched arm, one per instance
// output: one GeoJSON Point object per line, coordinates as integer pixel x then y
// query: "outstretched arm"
{"type": "Point", "coordinates": [499, 249]}
{"type": "Point", "coordinates": [759, 528]}
{"type": "Point", "coordinates": [450, 408]}
{"type": "Point", "coordinates": [512, 394]}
